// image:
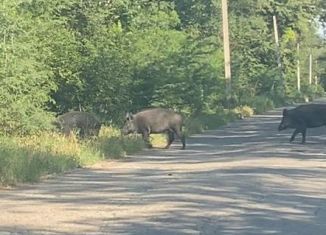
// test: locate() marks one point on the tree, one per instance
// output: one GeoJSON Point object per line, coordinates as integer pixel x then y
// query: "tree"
{"type": "Point", "coordinates": [25, 81]}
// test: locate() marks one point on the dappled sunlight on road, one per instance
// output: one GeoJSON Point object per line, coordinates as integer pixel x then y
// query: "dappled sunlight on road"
{"type": "Point", "coordinates": [244, 178]}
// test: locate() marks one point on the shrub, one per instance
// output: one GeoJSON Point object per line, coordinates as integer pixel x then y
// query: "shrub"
{"type": "Point", "coordinates": [193, 125]}
{"type": "Point", "coordinates": [312, 91]}
{"type": "Point", "coordinates": [260, 104]}
{"type": "Point", "coordinates": [208, 121]}
{"type": "Point", "coordinates": [298, 97]}
{"type": "Point", "coordinates": [307, 93]}
{"type": "Point", "coordinates": [243, 111]}
{"type": "Point", "coordinates": [117, 146]}
{"type": "Point", "coordinates": [247, 111]}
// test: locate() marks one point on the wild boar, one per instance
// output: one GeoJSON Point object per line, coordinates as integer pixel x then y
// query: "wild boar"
{"type": "Point", "coordinates": [86, 124]}
{"type": "Point", "coordinates": [303, 117]}
{"type": "Point", "coordinates": [155, 120]}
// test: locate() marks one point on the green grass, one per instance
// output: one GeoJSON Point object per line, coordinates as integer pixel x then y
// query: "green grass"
{"type": "Point", "coordinates": [22, 164]}
{"type": "Point", "coordinates": [27, 159]}
{"type": "Point", "coordinates": [203, 122]}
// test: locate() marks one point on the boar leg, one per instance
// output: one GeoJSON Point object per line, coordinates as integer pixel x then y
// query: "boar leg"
{"type": "Point", "coordinates": [296, 131]}
{"type": "Point", "coordinates": [67, 131]}
{"type": "Point", "coordinates": [303, 136]}
{"type": "Point", "coordinates": [181, 137]}
{"type": "Point", "coordinates": [83, 133]}
{"type": "Point", "coordinates": [183, 140]}
{"type": "Point", "coordinates": [145, 135]}
{"type": "Point", "coordinates": [170, 139]}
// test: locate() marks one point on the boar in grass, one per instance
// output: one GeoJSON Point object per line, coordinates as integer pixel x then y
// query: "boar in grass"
{"type": "Point", "coordinates": [303, 117]}
{"type": "Point", "coordinates": [86, 124]}
{"type": "Point", "coordinates": [155, 120]}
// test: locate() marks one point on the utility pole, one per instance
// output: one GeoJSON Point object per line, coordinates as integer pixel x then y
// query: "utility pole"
{"type": "Point", "coordinates": [5, 56]}
{"type": "Point", "coordinates": [279, 63]}
{"type": "Point", "coordinates": [316, 73]}
{"type": "Point", "coordinates": [310, 68]}
{"type": "Point", "coordinates": [226, 46]}
{"type": "Point", "coordinates": [298, 67]}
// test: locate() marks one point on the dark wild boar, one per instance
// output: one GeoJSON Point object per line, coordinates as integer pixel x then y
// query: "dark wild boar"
{"type": "Point", "coordinates": [155, 120]}
{"type": "Point", "coordinates": [303, 117]}
{"type": "Point", "coordinates": [86, 124]}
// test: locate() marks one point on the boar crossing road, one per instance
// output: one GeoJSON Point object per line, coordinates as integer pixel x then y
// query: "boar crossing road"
{"type": "Point", "coordinates": [302, 117]}
{"type": "Point", "coordinates": [241, 179]}
{"type": "Point", "coordinates": [155, 120]}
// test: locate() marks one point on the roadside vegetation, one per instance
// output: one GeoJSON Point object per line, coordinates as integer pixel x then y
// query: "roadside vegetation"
{"type": "Point", "coordinates": [28, 158]}
{"type": "Point", "coordinates": [110, 57]}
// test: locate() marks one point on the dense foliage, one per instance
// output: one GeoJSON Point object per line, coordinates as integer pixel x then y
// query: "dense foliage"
{"type": "Point", "coordinates": [110, 56]}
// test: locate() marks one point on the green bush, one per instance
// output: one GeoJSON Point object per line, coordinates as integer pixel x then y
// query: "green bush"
{"type": "Point", "coordinates": [312, 91]}
{"type": "Point", "coordinates": [307, 94]}
{"type": "Point", "coordinates": [260, 104]}
{"type": "Point", "coordinates": [298, 97]}
{"type": "Point", "coordinates": [193, 125]}
{"type": "Point", "coordinates": [206, 121]}
{"type": "Point", "coordinates": [243, 111]}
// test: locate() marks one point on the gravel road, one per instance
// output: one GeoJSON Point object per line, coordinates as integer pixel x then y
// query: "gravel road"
{"type": "Point", "coordinates": [242, 179]}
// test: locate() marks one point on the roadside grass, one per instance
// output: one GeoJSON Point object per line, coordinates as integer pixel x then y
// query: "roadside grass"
{"type": "Point", "coordinates": [21, 164]}
{"type": "Point", "coordinates": [27, 159]}
{"type": "Point", "coordinates": [198, 124]}
{"type": "Point", "coordinates": [158, 140]}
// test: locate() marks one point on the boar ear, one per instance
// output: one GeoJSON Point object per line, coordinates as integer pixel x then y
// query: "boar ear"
{"type": "Point", "coordinates": [129, 116]}
{"type": "Point", "coordinates": [285, 112]}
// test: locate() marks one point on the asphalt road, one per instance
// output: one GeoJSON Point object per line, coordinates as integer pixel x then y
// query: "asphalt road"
{"type": "Point", "coordinates": [242, 179]}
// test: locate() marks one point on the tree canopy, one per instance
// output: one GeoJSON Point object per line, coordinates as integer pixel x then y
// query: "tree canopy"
{"type": "Point", "coordinates": [110, 57]}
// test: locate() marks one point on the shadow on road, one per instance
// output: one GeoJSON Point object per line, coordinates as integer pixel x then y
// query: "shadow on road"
{"type": "Point", "coordinates": [244, 178]}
